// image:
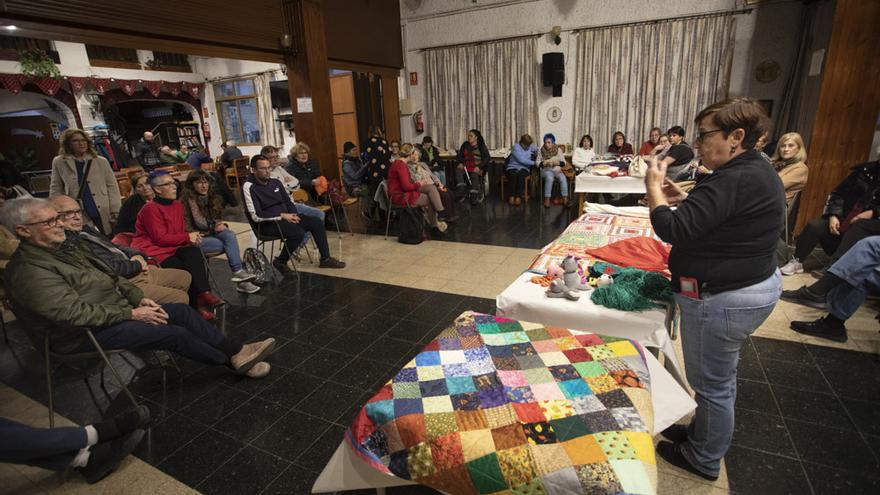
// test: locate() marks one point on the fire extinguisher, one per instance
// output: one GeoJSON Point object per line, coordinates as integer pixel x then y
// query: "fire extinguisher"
{"type": "Point", "coordinates": [206, 130]}
{"type": "Point", "coordinates": [419, 122]}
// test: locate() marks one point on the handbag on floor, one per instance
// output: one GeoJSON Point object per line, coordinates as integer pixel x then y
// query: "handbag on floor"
{"type": "Point", "coordinates": [410, 226]}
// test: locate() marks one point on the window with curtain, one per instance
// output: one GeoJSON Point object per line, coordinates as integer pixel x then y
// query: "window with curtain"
{"type": "Point", "coordinates": [489, 86]}
{"type": "Point", "coordinates": [108, 56]}
{"type": "Point", "coordinates": [237, 110]}
{"type": "Point", "coordinates": [177, 62]}
{"type": "Point", "coordinates": [11, 46]}
{"type": "Point", "coordinates": [634, 77]}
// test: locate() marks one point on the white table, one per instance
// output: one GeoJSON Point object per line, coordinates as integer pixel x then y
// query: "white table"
{"type": "Point", "coordinates": [586, 183]}
{"type": "Point", "coordinates": [522, 300]}
{"type": "Point", "coordinates": [347, 471]}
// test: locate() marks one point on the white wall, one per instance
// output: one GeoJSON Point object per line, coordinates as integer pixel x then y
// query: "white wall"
{"type": "Point", "coordinates": [769, 32]}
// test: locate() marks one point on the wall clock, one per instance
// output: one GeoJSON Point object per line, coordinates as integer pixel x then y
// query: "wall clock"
{"type": "Point", "coordinates": [767, 71]}
{"type": "Point", "coordinates": [554, 114]}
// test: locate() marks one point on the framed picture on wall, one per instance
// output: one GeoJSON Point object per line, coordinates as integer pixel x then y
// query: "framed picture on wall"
{"type": "Point", "coordinates": [768, 106]}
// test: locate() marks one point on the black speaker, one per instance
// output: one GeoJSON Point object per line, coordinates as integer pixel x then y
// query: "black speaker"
{"type": "Point", "coordinates": [553, 65]}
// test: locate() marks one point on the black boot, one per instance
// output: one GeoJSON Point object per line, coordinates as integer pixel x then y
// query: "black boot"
{"type": "Point", "coordinates": [828, 327]}
{"type": "Point", "coordinates": [805, 297]}
{"type": "Point", "coordinates": [105, 457]}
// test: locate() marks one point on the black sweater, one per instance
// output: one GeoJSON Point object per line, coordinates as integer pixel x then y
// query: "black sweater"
{"type": "Point", "coordinates": [724, 234]}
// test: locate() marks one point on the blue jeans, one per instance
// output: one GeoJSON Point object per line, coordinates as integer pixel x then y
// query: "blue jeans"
{"type": "Point", "coordinates": [309, 211]}
{"type": "Point", "coordinates": [441, 176]}
{"type": "Point", "coordinates": [712, 331]}
{"type": "Point", "coordinates": [223, 242]}
{"type": "Point", "coordinates": [548, 175]}
{"type": "Point", "coordinates": [48, 448]}
{"type": "Point", "coordinates": [858, 268]}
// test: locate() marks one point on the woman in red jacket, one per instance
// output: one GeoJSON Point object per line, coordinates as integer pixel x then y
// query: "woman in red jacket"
{"type": "Point", "coordinates": [160, 232]}
{"type": "Point", "coordinates": [403, 191]}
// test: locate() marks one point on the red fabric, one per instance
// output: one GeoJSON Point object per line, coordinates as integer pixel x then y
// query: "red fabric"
{"type": "Point", "coordinates": [645, 253]}
{"type": "Point", "coordinates": [100, 84]}
{"type": "Point", "coordinates": [122, 239]}
{"type": "Point", "coordinates": [646, 148]}
{"type": "Point", "coordinates": [47, 85]}
{"type": "Point", "coordinates": [77, 83]}
{"type": "Point", "coordinates": [127, 87]}
{"type": "Point", "coordinates": [401, 189]}
{"type": "Point", "coordinates": [160, 230]}
{"type": "Point", "coordinates": [13, 82]}
{"type": "Point", "coordinates": [173, 87]}
{"type": "Point", "coordinates": [153, 87]}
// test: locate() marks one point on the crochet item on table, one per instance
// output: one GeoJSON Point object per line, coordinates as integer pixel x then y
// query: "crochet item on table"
{"type": "Point", "coordinates": [634, 290]}
{"type": "Point", "coordinates": [494, 405]}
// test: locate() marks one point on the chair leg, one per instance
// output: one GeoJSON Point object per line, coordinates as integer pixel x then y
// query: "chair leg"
{"type": "Point", "coordinates": [49, 384]}
{"type": "Point", "coordinates": [387, 221]}
{"type": "Point", "coordinates": [116, 375]}
{"type": "Point", "coordinates": [3, 324]}
{"type": "Point", "coordinates": [212, 282]}
{"type": "Point", "coordinates": [347, 223]}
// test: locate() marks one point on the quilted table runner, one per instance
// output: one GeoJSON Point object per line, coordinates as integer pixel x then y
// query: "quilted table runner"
{"type": "Point", "coordinates": [497, 406]}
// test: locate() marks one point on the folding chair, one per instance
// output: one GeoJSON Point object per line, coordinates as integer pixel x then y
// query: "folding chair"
{"type": "Point", "coordinates": [212, 281]}
{"type": "Point", "coordinates": [383, 187]}
{"type": "Point", "coordinates": [262, 239]}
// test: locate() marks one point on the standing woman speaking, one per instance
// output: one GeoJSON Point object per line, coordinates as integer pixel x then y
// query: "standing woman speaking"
{"type": "Point", "coordinates": [81, 173]}
{"type": "Point", "coordinates": [723, 263]}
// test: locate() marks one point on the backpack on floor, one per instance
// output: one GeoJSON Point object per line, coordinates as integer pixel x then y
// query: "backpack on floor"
{"type": "Point", "coordinates": [410, 226]}
{"type": "Point", "coordinates": [256, 262]}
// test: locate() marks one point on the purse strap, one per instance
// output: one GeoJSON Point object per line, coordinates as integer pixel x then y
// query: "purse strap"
{"type": "Point", "coordinates": [82, 181]}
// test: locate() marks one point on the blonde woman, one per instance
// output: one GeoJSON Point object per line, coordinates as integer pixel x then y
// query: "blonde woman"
{"type": "Point", "coordinates": [305, 169]}
{"type": "Point", "coordinates": [789, 161]}
{"type": "Point", "coordinates": [79, 165]}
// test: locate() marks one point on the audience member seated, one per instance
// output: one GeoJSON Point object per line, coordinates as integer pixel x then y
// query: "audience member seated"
{"type": "Point", "coordinates": [307, 171]}
{"type": "Point", "coordinates": [851, 214]}
{"type": "Point", "coordinates": [290, 182]}
{"type": "Point", "coordinates": [378, 158]}
{"type": "Point", "coordinates": [353, 170]}
{"type": "Point", "coordinates": [95, 450]}
{"type": "Point", "coordinates": [662, 147]}
{"type": "Point", "coordinates": [759, 146]}
{"type": "Point", "coordinates": [163, 285]}
{"type": "Point", "coordinates": [842, 289]}
{"type": "Point", "coordinates": [583, 155]}
{"type": "Point", "coordinates": [652, 142]}
{"type": "Point", "coordinates": [404, 191]}
{"type": "Point", "coordinates": [473, 161]}
{"type": "Point", "coordinates": [619, 146]}
{"type": "Point", "coordinates": [419, 172]}
{"type": "Point", "coordinates": [270, 208]}
{"type": "Point", "coordinates": [789, 161]}
{"type": "Point", "coordinates": [69, 288]}
{"type": "Point", "coordinates": [128, 213]}
{"type": "Point", "coordinates": [80, 172]}
{"type": "Point", "coordinates": [553, 166]}
{"type": "Point", "coordinates": [203, 211]}
{"type": "Point", "coordinates": [230, 154]}
{"type": "Point", "coordinates": [8, 241]}
{"type": "Point", "coordinates": [679, 156]}
{"type": "Point", "coordinates": [160, 233]}
{"type": "Point", "coordinates": [182, 154]}
{"type": "Point", "coordinates": [431, 157]}
{"type": "Point", "coordinates": [395, 150]}
{"type": "Point", "coordinates": [197, 157]}
{"type": "Point", "coordinates": [146, 152]}
{"type": "Point", "coordinates": [523, 156]}
{"type": "Point", "coordinates": [168, 156]}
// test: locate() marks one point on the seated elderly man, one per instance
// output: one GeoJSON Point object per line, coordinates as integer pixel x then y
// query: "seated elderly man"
{"type": "Point", "coordinates": [57, 288]}
{"type": "Point", "coordinates": [163, 285]}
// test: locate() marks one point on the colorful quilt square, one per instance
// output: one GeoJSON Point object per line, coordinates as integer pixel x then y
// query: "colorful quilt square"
{"type": "Point", "coordinates": [500, 416]}
{"type": "Point", "coordinates": [488, 328]}
{"type": "Point", "coordinates": [467, 330]}
{"type": "Point", "coordinates": [476, 443]}
{"type": "Point", "coordinates": [411, 428]}
{"type": "Point", "coordinates": [508, 437]}
{"type": "Point", "coordinates": [622, 348]}
{"type": "Point", "coordinates": [564, 372]}
{"type": "Point", "coordinates": [512, 378]}
{"type": "Point", "coordinates": [449, 344]}
{"type": "Point", "coordinates": [578, 355]}
{"type": "Point", "coordinates": [432, 388]}
{"type": "Point", "coordinates": [589, 369]}
{"type": "Point", "coordinates": [587, 404]}
{"type": "Point", "coordinates": [510, 326]}
{"type": "Point", "coordinates": [402, 407]}
{"type": "Point", "coordinates": [406, 390]}
{"type": "Point", "coordinates": [517, 465]}
{"type": "Point", "coordinates": [567, 343]}
{"type": "Point", "coordinates": [547, 391]}
{"type": "Point", "coordinates": [494, 340]}
{"type": "Point", "coordinates": [588, 339]}
{"type": "Point", "coordinates": [380, 412]}
{"type": "Point", "coordinates": [398, 464]}
{"type": "Point", "coordinates": [486, 474]}
{"type": "Point", "coordinates": [524, 349]}
{"type": "Point", "coordinates": [549, 458]}
{"type": "Point", "coordinates": [519, 394]}
{"type": "Point", "coordinates": [486, 381]}
{"type": "Point", "coordinates": [454, 479]}
{"type": "Point", "coordinates": [555, 409]}
{"type": "Point", "coordinates": [437, 404]}
{"type": "Point", "coordinates": [642, 403]}
{"type": "Point", "coordinates": [554, 358]}
{"type": "Point", "coordinates": [643, 444]}
{"type": "Point", "coordinates": [392, 436]}
{"type": "Point", "coordinates": [538, 375]}
{"type": "Point", "coordinates": [600, 421]}
{"type": "Point", "coordinates": [632, 475]}
{"type": "Point", "coordinates": [628, 419]}
{"type": "Point", "coordinates": [406, 375]}
{"type": "Point", "coordinates": [492, 397]}
{"type": "Point", "coordinates": [615, 398]}
{"type": "Point", "coordinates": [456, 370]}
{"type": "Point", "coordinates": [569, 428]}
{"type": "Point", "coordinates": [465, 402]}
{"type": "Point", "coordinates": [508, 363]}
{"type": "Point", "coordinates": [600, 352]}
{"type": "Point", "coordinates": [430, 373]}
{"type": "Point", "coordinates": [537, 334]}
{"type": "Point", "coordinates": [533, 487]}
{"type": "Point", "coordinates": [431, 346]}
{"type": "Point", "coordinates": [574, 388]}
{"type": "Point", "coordinates": [516, 337]}
{"type": "Point", "coordinates": [539, 433]}
{"type": "Point", "coordinates": [614, 364]}
{"type": "Point", "coordinates": [627, 378]}
{"type": "Point", "coordinates": [460, 384]}
{"type": "Point", "coordinates": [476, 354]}
{"type": "Point", "coordinates": [530, 362]}
{"type": "Point", "coordinates": [600, 478]}
{"type": "Point", "coordinates": [560, 482]}
{"type": "Point", "coordinates": [601, 384]}
{"type": "Point", "coordinates": [543, 346]}
{"type": "Point", "coordinates": [377, 443]}
{"type": "Point", "coordinates": [420, 462]}
{"type": "Point", "coordinates": [528, 412]}
{"type": "Point", "coordinates": [481, 366]}
{"type": "Point", "coordinates": [439, 424]}
{"type": "Point", "coordinates": [452, 357]}
{"type": "Point", "coordinates": [471, 420]}
{"type": "Point", "coordinates": [500, 351]}
{"type": "Point", "coordinates": [428, 358]}
{"type": "Point", "coordinates": [615, 445]}
{"type": "Point", "coordinates": [471, 342]}
{"type": "Point", "coordinates": [558, 332]}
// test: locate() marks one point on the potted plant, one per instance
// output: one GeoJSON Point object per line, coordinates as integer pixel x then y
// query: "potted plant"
{"type": "Point", "coordinates": [37, 63]}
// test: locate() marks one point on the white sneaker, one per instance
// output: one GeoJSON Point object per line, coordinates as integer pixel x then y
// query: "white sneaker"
{"type": "Point", "coordinates": [441, 226]}
{"type": "Point", "coordinates": [247, 287]}
{"type": "Point", "coordinates": [792, 267]}
{"type": "Point", "coordinates": [242, 276]}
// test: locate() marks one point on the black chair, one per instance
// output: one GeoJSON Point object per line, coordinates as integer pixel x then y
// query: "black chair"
{"type": "Point", "coordinates": [262, 239]}
{"type": "Point", "coordinates": [383, 187]}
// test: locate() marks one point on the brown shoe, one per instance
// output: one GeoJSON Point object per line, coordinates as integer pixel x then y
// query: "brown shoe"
{"type": "Point", "coordinates": [260, 370]}
{"type": "Point", "coordinates": [331, 262]}
{"type": "Point", "coordinates": [251, 354]}
{"type": "Point", "coordinates": [546, 202]}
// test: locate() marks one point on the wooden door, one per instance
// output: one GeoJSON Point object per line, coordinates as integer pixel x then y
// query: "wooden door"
{"type": "Point", "coordinates": [344, 114]}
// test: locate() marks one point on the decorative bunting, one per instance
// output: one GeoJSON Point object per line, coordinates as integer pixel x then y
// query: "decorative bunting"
{"type": "Point", "coordinates": [47, 85]}
{"type": "Point", "coordinates": [172, 87]}
{"type": "Point", "coordinates": [13, 82]}
{"type": "Point", "coordinates": [127, 87]}
{"type": "Point", "coordinates": [195, 89]}
{"type": "Point", "coordinates": [100, 84]}
{"type": "Point", "coordinates": [153, 87]}
{"type": "Point", "coordinates": [51, 86]}
{"type": "Point", "coordinates": [77, 83]}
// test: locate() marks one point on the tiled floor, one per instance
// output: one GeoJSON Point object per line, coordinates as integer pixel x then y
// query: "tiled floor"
{"type": "Point", "coordinates": [806, 413]}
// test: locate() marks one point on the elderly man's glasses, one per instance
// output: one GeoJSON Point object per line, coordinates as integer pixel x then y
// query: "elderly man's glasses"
{"type": "Point", "coordinates": [51, 222]}
{"type": "Point", "coordinates": [64, 215]}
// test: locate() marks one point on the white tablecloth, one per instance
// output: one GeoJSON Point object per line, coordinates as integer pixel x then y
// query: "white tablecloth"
{"type": "Point", "coordinates": [347, 471]}
{"type": "Point", "coordinates": [586, 183]}
{"type": "Point", "coordinates": [525, 301]}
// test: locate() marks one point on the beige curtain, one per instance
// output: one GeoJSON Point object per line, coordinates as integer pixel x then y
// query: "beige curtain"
{"type": "Point", "coordinates": [634, 77]}
{"type": "Point", "coordinates": [271, 130]}
{"type": "Point", "coordinates": [491, 86]}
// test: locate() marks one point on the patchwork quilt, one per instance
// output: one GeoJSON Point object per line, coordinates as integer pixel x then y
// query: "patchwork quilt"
{"type": "Point", "coordinates": [591, 231]}
{"type": "Point", "coordinates": [497, 406]}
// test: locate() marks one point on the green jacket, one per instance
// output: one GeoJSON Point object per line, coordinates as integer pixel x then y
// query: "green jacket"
{"type": "Point", "coordinates": [58, 292]}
